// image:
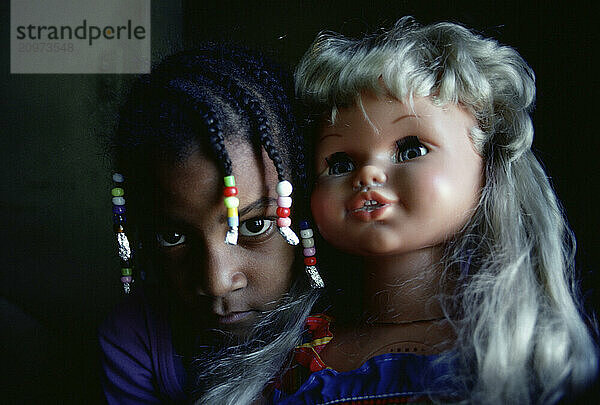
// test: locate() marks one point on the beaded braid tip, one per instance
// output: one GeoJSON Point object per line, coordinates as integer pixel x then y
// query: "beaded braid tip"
{"type": "Point", "coordinates": [309, 251]}
{"type": "Point", "coordinates": [231, 203]}
{"type": "Point", "coordinates": [119, 220]}
{"type": "Point", "coordinates": [284, 202]}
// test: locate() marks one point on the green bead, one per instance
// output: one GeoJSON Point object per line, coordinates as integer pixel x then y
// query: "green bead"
{"type": "Point", "coordinates": [126, 271]}
{"type": "Point", "coordinates": [117, 192]}
{"type": "Point", "coordinates": [231, 202]}
{"type": "Point", "coordinates": [229, 181]}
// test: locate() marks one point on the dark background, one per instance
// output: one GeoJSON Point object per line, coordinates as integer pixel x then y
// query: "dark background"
{"type": "Point", "coordinates": [59, 273]}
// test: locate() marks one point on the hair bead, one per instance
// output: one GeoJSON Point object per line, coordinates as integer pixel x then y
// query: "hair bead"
{"type": "Point", "coordinates": [231, 203]}
{"type": "Point", "coordinates": [119, 220]}
{"type": "Point", "coordinates": [283, 212]}
{"type": "Point", "coordinates": [233, 221]}
{"type": "Point", "coordinates": [230, 191]}
{"type": "Point", "coordinates": [117, 192]}
{"type": "Point", "coordinates": [229, 181]}
{"type": "Point", "coordinates": [306, 233]}
{"type": "Point", "coordinates": [308, 242]}
{"type": "Point", "coordinates": [284, 222]}
{"type": "Point", "coordinates": [285, 202]}
{"type": "Point", "coordinates": [309, 251]}
{"type": "Point", "coordinates": [118, 209]}
{"type": "Point", "coordinates": [284, 190]}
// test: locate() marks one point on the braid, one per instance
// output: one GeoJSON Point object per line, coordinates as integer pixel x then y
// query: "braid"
{"type": "Point", "coordinates": [266, 139]}
{"type": "Point", "coordinates": [197, 101]}
{"type": "Point", "coordinates": [235, 93]}
{"type": "Point", "coordinates": [215, 134]}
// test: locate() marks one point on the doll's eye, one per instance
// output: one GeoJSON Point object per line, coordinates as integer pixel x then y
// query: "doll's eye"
{"type": "Point", "coordinates": [339, 163]}
{"type": "Point", "coordinates": [409, 148]}
{"type": "Point", "coordinates": [255, 226]}
{"type": "Point", "coordinates": [169, 239]}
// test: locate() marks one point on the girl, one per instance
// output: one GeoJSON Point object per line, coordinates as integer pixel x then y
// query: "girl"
{"type": "Point", "coordinates": [206, 147]}
{"type": "Point", "coordinates": [424, 169]}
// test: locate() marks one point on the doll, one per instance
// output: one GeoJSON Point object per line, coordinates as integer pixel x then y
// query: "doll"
{"type": "Point", "coordinates": [207, 150]}
{"type": "Point", "coordinates": [424, 170]}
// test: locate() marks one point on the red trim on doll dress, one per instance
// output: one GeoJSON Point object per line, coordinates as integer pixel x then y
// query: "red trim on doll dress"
{"type": "Point", "coordinates": [307, 354]}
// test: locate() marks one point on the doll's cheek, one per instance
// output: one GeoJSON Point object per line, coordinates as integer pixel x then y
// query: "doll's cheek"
{"type": "Point", "coordinates": [327, 211]}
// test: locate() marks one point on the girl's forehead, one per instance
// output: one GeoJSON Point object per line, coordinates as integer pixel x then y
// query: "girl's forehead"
{"type": "Point", "coordinates": [202, 172]}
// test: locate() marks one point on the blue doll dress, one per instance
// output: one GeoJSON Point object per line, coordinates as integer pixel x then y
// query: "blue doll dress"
{"type": "Point", "coordinates": [391, 378]}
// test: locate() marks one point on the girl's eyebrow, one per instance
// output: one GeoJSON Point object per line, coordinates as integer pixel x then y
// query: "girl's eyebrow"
{"type": "Point", "coordinates": [260, 203]}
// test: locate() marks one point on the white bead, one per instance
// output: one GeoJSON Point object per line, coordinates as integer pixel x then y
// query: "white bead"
{"type": "Point", "coordinates": [118, 178]}
{"type": "Point", "coordinates": [285, 202]}
{"type": "Point", "coordinates": [306, 233]}
{"type": "Point", "coordinates": [118, 201]}
{"type": "Point", "coordinates": [284, 188]}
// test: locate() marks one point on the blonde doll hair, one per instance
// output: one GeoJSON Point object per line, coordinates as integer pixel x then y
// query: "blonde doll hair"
{"type": "Point", "coordinates": [521, 336]}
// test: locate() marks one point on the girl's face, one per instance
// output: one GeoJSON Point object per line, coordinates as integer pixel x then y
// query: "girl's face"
{"type": "Point", "coordinates": [226, 286]}
{"type": "Point", "coordinates": [407, 180]}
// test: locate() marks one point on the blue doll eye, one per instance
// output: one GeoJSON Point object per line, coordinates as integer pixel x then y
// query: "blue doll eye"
{"type": "Point", "coordinates": [255, 226]}
{"type": "Point", "coordinates": [409, 148]}
{"type": "Point", "coordinates": [170, 239]}
{"type": "Point", "coordinates": [339, 163]}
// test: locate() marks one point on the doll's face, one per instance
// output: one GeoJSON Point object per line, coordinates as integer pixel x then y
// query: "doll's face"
{"type": "Point", "coordinates": [226, 286]}
{"type": "Point", "coordinates": [408, 185]}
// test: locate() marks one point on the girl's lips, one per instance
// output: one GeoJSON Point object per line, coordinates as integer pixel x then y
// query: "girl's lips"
{"type": "Point", "coordinates": [233, 317]}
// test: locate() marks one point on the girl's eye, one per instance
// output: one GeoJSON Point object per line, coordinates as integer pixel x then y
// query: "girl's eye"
{"type": "Point", "coordinates": [409, 148]}
{"type": "Point", "coordinates": [339, 163]}
{"type": "Point", "coordinates": [255, 226]}
{"type": "Point", "coordinates": [169, 239]}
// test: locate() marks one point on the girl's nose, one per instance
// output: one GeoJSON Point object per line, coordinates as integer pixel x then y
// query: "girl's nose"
{"type": "Point", "coordinates": [222, 273]}
{"type": "Point", "coordinates": [369, 175]}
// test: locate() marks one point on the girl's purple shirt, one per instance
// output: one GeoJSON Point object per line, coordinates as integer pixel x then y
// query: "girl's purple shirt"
{"type": "Point", "coordinates": [139, 363]}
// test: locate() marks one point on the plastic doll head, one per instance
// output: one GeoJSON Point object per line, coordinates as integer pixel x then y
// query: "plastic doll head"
{"type": "Point", "coordinates": [443, 63]}
{"type": "Point", "coordinates": [394, 178]}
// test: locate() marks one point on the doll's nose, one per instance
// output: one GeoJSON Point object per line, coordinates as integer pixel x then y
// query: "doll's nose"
{"type": "Point", "coordinates": [368, 176]}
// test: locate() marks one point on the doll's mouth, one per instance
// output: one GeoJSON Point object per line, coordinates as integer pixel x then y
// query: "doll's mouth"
{"type": "Point", "coordinates": [370, 206]}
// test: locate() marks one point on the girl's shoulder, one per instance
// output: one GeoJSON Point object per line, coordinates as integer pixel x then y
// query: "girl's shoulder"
{"type": "Point", "coordinates": [137, 355]}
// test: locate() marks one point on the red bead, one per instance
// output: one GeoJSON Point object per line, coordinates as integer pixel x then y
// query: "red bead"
{"type": "Point", "coordinates": [230, 191]}
{"type": "Point", "coordinates": [283, 212]}
{"type": "Point", "coordinates": [310, 261]}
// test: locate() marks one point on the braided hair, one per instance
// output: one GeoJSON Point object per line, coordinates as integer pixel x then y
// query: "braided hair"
{"type": "Point", "coordinates": [204, 97]}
